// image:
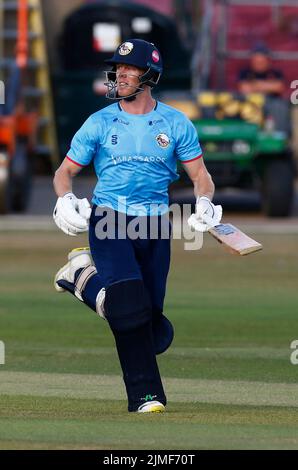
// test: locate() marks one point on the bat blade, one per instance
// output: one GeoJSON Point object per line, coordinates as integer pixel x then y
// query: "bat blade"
{"type": "Point", "coordinates": [234, 239]}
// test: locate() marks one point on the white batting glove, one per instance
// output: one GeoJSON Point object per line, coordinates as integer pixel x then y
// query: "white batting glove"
{"type": "Point", "coordinates": [207, 215]}
{"type": "Point", "coordinates": [72, 215]}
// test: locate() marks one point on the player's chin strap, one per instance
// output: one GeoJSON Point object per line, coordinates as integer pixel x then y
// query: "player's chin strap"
{"type": "Point", "coordinates": [150, 78]}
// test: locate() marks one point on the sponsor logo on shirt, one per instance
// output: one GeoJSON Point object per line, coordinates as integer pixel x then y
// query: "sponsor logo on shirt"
{"type": "Point", "coordinates": [157, 121]}
{"type": "Point", "coordinates": [137, 158]}
{"type": "Point", "coordinates": [121, 121]}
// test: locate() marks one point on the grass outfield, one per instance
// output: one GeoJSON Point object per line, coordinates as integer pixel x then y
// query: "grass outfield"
{"type": "Point", "coordinates": [228, 376]}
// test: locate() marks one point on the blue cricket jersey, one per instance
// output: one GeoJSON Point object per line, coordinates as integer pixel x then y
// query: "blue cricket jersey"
{"type": "Point", "coordinates": [135, 156]}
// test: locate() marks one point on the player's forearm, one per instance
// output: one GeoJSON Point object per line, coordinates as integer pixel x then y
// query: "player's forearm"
{"type": "Point", "coordinates": [62, 182]}
{"type": "Point", "coordinates": [272, 86]}
{"type": "Point", "coordinates": [245, 87]}
{"type": "Point", "coordinates": [63, 177]}
{"type": "Point", "coordinates": [199, 175]}
{"type": "Point", "coordinates": [204, 186]}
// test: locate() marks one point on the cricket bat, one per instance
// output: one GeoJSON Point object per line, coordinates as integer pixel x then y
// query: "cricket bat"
{"type": "Point", "coordinates": [234, 240]}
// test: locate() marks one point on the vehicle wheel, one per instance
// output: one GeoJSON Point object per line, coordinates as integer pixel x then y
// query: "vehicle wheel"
{"type": "Point", "coordinates": [20, 178]}
{"type": "Point", "coordinates": [278, 188]}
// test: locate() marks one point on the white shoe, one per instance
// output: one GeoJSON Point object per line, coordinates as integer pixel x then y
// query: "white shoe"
{"type": "Point", "coordinates": [151, 407]}
{"type": "Point", "coordinates": [77, 258]}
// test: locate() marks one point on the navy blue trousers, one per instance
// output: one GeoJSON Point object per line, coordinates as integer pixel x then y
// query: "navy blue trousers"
{"type": "Point", "coordinates": [123, 259]}
{"type": "Point", "coordinates": [141, 254]}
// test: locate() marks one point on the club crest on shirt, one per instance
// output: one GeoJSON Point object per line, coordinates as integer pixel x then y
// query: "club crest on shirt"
{"type": "Point", "coordinates": [125, 48]}
{"type": "Point", "coordinates": [163, 140]}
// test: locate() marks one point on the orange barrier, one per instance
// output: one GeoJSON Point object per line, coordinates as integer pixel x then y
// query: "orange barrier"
{"type": "Point", "coordinates": [8, 132]}
{"type": "Point", "coordinates": [26, 126]}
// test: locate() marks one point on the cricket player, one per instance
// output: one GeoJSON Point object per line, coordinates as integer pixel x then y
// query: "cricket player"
{"type": "Point", "coordinates": [134, 145]}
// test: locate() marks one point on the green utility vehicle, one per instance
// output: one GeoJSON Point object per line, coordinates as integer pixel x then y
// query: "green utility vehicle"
{"type": "Point", "coordinates": [241, 145]}
{"type": "Point", "coordinates": [241, 154]}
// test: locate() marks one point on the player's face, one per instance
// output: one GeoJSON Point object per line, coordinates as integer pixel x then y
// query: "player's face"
{"type": "Point", "coordinates": [260, 62]}
{"type": "Point", "coordinates": [127, 79]}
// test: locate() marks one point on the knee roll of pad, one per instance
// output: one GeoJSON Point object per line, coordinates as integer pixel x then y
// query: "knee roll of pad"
{"type": "Point", "coordinates": [127, 305]}
{"type": "Point", "coordinates": [163, 334]}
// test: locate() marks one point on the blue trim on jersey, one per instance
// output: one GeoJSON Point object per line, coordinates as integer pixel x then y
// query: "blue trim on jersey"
{"type": "Point", "coordinates": [135, 155]}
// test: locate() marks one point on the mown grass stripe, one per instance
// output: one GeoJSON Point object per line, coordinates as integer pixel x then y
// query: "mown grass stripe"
{"type": "Point", "coordinates": [103, 434]}
{"type": "Point", "coordinates": [179, 390]}
{"type": "Point", "coordinates": [229, 352]}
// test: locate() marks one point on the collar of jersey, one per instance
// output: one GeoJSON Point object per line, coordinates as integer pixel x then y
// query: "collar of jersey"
{"type": "Point", "coordinates": [138, 115]}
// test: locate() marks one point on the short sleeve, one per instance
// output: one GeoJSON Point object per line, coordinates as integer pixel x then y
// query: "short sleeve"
{"type": "Point", "coordinates": [187, 143]}
{"type": "Point", "coordinates": [84, 143]}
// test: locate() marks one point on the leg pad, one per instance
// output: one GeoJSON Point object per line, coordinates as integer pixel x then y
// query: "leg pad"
{"type": "Point", "coordinates": [127, 305]}
{"type": "Point", "coordinates": [82, 279]}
